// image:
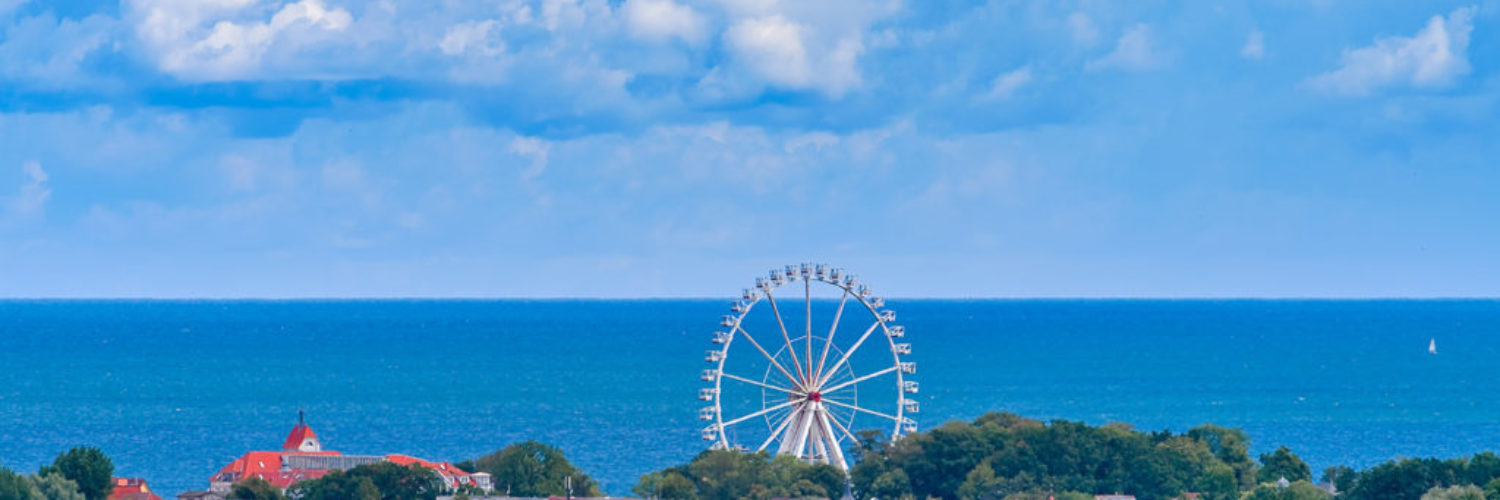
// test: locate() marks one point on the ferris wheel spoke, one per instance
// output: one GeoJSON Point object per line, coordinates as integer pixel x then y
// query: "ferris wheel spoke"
{"type": "Point", "coordinates": [856, 408]}
{"type": "Point", "coordinates": [757, 414]}
{"type": "Point", "coordinates": [845, 358]}
{"type": "Point", "coordinates": [785, 421]}
{"type": "Point", "coordinates": [732, 376]}
{"type": "Point", "coordinates": [840, 425]}
{"type": "Point", "coordinates": [860, 379]}
{"type": "Point", "coordinates": [788, 338]}
{"type": "Point", "coordinates": [828, 342]}
{"type": "Point", "coordinates": [807, 301]}
{"type": "Point", "coordinates": [768, 356]}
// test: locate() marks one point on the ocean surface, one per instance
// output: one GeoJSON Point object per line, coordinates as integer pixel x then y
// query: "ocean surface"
{"type": "Point", "coordinates": [174, 390]}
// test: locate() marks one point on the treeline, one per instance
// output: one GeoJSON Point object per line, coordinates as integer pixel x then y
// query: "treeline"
{"type": "Point", "coordinates": [1002, 456]}
{"type": "Point", "coordinates": [528, 469]}
{"type": "Point", "coordinates": [728, 474]}
{"type": "Point", "coordinates": [82, 473]}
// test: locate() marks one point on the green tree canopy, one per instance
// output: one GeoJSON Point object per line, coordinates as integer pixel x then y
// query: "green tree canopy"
{"type": "Point", "coordinates": [337, 485]}
{"type": "Point", "coordinates": [533, 469]}
{"type": "Point", "coordinates": [1296, 490]}
{"type": "Point", "coordinates": [255, 489]}
{"type": "Point", "coordinates": [731, 475]}
{"type": "Point", "coordinates": [1340, 476]}
{"type": "Point", "coordinates": [377, 481]}
{"type": "Point", "coordinates": [1231, 446]}
{"type": "Point", "coordinates": [56, 487]}
{"type": "Point", "coordinates": [666, 485]}
{"type": "Point", "coordinates": [1000, 455]}
{"type": "Point", "coordinates": [1282, 463]}
{"type": "Point", "coordinates": [17, 487]}
{"type": "Point", "coordinates": [87, 466]}
{"type": "Point", "coordinates": [1465, 492]}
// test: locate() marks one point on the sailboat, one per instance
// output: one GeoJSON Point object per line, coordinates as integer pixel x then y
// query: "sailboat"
{"type": "Point", "coordinates": [1432, 346]}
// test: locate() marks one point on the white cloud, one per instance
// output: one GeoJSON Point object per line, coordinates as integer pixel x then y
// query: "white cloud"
{"type": "Point", "coordinates": [1433, 58]}
{"type": "Point", "coordinates": [816, 140]}
{"type": "Point", "coordinates": [1082, 29]}
{"type": "Point", "coordinates": [1005, 85]}
{"type": "Point", "coordinates": [774, 49]}
{"type": "Point", "coordinates": [473, 37]}
{"type": "Point", "coordinates": [34, 192]}
{"type": "Point", "coordinates": [345, 175]}
{"type": "Point", "coordinates": [662, 20]}
{"type": "Point", "coordinates": [533, 148]}
{"type": "Point", "coordinates": [1133, 51]}
{"type": "Point", "coordinates": [200, 40]}
{"type": "Point", "coordinates": [771, 46]}
{"type": "Point", "coordinates": [9, 5]}
{"type": "Point", "coordinates": [1255, 46]}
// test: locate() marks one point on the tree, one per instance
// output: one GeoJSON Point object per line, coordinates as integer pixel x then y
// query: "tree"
{"type": "Point", "coordinates": [666, 485]}
{"type": "Point", "coordinates": [17, 487]}
{"type": "Point", "coordinates": [255, 488]}
{"type": "Point", "coordinates": [1492, 489]}
{"type": "Point", "coordinates": [1218, 482]}
{"type": "Point", "coordinates": [56, 487]}
{"type": "Point", "coordinates": [892, 485]}
{"type": "Point", "coordinates": [1341, 477]}
{"type": "Point", "coordinates": [87, 466]}
{"type": "Point", "coordinates": [1231, 446]}
{"type": "Point", "coordinates": [400, 482]}
{"type": "Point", "coordinates": [337, 485]}
{"type": "Point", "coordinates": [1282, 463]}
{"type": "Point", "coordinates": [1298, 490]}
{"type": "Point", "coordinates": [981, 484]}
{"type": "Point", "coordinates": [1465, 492]}
{"type": "Point", "coordinates": [533, 469]}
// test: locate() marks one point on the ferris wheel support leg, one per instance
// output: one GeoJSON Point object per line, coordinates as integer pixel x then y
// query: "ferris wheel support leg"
{"type": "Point", "coordinates": [789, 437]}
{"type": "Point", "coordinates": [836, 455]}
{"type": "Point", "coordinates": [785, 421]}
{"type": "Point", "coordinates": [805, 429]}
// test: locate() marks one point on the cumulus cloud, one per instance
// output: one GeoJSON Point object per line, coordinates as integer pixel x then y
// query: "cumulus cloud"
{"type": "Point", "coordinates": [533, 148]}
{"type": "Point", "coordinates": [1133, 51]}
{"type": "Point", "coordinates": [1434, 57]}
{"type": "Point", "coordinates": [1082, 29]}
{"type": "Point", "coordinates": [208, 41]}
{"type": "Point", "coordinates": [662, 20]}
{"type": "Point", "coordinates": [473, 37]}
{"type": "Point", "coordinates": [1005, 85]}
{"type": "Point", "coordinates": [34, 192]}
{"type": "Point", "coordinates": [774, 49]}
{"type": "Point", "coordinates": [1255, 46]}
{"type": "Point", "coordinates": [8, 5]}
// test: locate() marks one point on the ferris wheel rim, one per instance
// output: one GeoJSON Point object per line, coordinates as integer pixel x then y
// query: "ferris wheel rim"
{"type": "Point", "coordinates": [813, 413]}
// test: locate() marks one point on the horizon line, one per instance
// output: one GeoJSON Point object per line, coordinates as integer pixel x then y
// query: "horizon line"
{"type": "Point", "coordinates": [563, 298]}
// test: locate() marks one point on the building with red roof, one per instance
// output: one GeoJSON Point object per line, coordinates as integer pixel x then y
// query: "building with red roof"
{"type": "Point", "coordinates": [302, 457]}
{"type": "Point", "coordinates": [131, 488]}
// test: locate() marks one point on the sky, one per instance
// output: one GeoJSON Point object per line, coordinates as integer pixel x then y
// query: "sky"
{"type": "Point", "coordinates": [680, 148]}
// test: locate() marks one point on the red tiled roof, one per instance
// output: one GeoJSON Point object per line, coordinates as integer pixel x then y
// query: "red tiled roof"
{"type": "Point", "coordinates": [130, 488]}
{"type": "Point", "coordinates": [299, 434]}
{"type": "Point", "coordinates": [268, 465]}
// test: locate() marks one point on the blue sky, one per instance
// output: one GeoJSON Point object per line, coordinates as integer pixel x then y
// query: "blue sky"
{"type": "Point", "coordinates": [555, 148]}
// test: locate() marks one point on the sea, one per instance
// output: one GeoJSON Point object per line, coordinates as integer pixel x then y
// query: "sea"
{"type": "Point", "coordinates": [174, 390]}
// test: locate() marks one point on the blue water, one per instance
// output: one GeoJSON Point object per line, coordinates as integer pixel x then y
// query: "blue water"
{"type": "Point", "coordinates": [174, 390]}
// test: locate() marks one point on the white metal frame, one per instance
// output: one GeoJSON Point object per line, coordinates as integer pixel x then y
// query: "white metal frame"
{"type": "Point", "coordinates": [803, 404]}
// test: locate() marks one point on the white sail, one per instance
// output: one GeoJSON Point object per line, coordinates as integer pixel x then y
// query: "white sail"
{"type": "Point", "coordinates": [1432, 346]}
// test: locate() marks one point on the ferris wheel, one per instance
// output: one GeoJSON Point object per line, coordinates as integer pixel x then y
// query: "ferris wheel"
{"type": "Point", "coordinates": [803, 386]}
